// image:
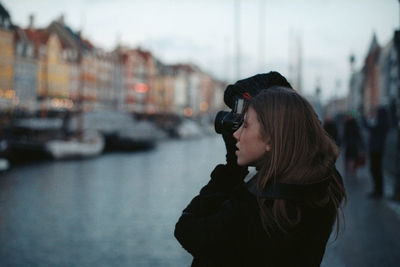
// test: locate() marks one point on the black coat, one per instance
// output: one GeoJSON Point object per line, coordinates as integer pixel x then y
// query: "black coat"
{"type": "Point", "coordinates": [222, 227]}
{"type": "Point", "coordinates": [377, 135]}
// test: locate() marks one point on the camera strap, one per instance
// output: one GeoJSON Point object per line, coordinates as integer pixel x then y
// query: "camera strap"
{"type": "Point", "coordinates": [294, 191]}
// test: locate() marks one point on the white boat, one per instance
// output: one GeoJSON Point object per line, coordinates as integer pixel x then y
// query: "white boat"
{"type": "Point", "coordinates": [188, 129]}
{"type": "Point", "coordinates": [138, 135]}
{"type": "Point", "coordinates": [121, 130]}
{"type": "Point", "coordinates": [91, 144]}
{"type": "Point", "coordinates": [4, 164]}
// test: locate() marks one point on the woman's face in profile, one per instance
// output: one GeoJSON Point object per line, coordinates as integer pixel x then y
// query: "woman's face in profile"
{"type": "Point", "coordinates": [250, 144]}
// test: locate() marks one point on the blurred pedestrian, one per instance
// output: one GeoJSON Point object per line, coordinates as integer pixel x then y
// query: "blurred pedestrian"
{"type": "Point", "coordinates": [331, 129]}
{"type": "Point", "coordinates": [377, 127]}
{"type": "Point", "coordinates": [284, 215]}
{"type": "Point", "coordinates": [353, 145]}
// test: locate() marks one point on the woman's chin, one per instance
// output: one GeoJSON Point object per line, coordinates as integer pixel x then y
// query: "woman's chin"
{"type": "Point", "coordinates": [241, 163]}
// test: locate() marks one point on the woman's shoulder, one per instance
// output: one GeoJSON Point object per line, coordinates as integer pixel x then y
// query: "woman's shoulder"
{"type": "Point", "coordinates": [243, 199]}
{"type": "Point", "coordinates": [243, 205]}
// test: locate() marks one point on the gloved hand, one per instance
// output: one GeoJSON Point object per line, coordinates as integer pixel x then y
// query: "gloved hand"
{"type": "Point", "coordinates": [230, 145]}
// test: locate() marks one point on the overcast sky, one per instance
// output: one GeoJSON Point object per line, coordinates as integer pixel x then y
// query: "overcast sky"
{"type": "Point", "coordinates": [202, 32]}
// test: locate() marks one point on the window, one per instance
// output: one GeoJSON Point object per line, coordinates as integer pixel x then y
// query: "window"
{"type": "Point", "coordinates": [29, 51]}
{"type": "Point", "coordinates": [7, 23]}
{"type": "Point", "coordinates": [42, 51]}
{"type": "Point", "coordinates": [19, 49]}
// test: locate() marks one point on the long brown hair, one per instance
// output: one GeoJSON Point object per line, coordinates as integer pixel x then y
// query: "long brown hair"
{"type": "Point", "coordinates": [302, 153]}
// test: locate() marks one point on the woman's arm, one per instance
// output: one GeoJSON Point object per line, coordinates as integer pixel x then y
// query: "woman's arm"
{"type": "Point", "coordinates": [211, 219]}
{"type": "Point", "coordinates": [224, 179]}
{"type": "Point", "coordinates": [211, 236]}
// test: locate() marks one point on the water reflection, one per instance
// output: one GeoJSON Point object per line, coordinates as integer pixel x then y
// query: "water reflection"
{"type": "Point", "coordinates": [115, 210]}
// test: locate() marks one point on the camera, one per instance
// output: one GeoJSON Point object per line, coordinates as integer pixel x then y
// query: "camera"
{"type": "Point", "coordinates": [236, 96]}
{"type": "Point", "coordinates": [230, 121]}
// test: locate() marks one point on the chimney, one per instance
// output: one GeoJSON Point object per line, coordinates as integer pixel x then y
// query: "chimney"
{"type": "Point", "coordinates": [31, 21]}
{"type": "Point", "coordinates": [61, 19]}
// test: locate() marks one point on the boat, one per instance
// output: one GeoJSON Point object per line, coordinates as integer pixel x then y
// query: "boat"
{"type": "Point", "coordinates": [122, 132]}
{"type": "Point", "coordinates": [47, 138]}
{"type": "Point", "coordinates": [188, 129]}
{"type": "Point", "coordinates": [4, 164]}
{"type": "Point", "coordinates": [89, 145]}
{"type": "Point", "coordinates": [137, 135]}
{"type": "Point", "coordinates": [27, 138]}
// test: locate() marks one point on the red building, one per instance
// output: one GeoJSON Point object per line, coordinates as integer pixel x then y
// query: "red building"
{"type": "Point", "coordinates": [140, 72]}
{"type": "Point", "coordinates": [371, 87]}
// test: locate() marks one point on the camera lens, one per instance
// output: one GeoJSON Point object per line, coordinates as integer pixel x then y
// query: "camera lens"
{"type": "Point", "coordinates": [219, 121]}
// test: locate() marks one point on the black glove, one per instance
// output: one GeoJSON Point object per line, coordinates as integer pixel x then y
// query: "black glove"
{"type": "Point", "coordinates": [250, 87]}
{"type": "Point", "coordinates": [231, 158]}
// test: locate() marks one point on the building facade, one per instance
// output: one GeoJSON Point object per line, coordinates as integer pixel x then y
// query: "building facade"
{"type": "Point", "coordinates": [389, 79]}
{"type": "Point", "coordinates": [54, 68]}
{"type": "Point", "coordinates": [7, 92]}
{"type": "Point", "coordinates": [371, 96]}
{"type": "Point", "coordinates": [25, 72]}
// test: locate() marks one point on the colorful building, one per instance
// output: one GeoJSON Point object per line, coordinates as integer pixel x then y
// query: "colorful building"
{"type": "Point", "coordinates": [82, 63]}
{"type": "Point", "coordinates": [55, 68]}
{"type": "Point", "coordinates": [89, 80]}
{"type": "Point", "coordinates": [127, 58]}
{"type": "Point", "coordinates": [163, 88]}
{"type": "Point", "coordinates": [389, 79]}
{"type": "Point", "coordinates": [25, 71]}
{"type": "Point", "coordinates": [117, 82]}
{"type": "Point", "coordinates": [144, 73]}
{"type": "Point", "coordinates": [181, 92]}
{"type": "Point", "coordinates": [371, 95]}
{"type": "Point", "coordinates": [7, 93]}
{"type": "Point", "coordinates": [205, 93]}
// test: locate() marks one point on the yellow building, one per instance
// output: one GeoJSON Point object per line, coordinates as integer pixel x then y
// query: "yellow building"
{"type": "Point", "coordinates": [53, 71]}
{"type": "Point", "coordinates": [6, 68]}
{"type": "Point", "coordinates": [163, 89]}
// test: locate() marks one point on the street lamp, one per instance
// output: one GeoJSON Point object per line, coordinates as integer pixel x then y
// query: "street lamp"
{"type": "Point", "coordinates": [396, 194]}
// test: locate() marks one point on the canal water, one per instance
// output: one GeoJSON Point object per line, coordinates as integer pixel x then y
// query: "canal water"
{"type": "Point", "coordinates": [118, 209]}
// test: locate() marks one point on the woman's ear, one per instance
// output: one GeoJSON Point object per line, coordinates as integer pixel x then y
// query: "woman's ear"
{"type": "Point", "coordinates": [268, 145]}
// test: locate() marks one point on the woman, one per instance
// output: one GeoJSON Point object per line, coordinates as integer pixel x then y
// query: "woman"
{"type": "Point", "coordinates": [285, 214]}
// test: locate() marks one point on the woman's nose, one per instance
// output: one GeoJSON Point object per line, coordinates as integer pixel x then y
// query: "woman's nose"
{"type": "Point", "coordinates": [236, 134]}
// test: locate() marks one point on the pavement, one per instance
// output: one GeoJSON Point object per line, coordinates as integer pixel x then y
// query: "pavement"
{"type": "Point", "coordinates": [390, 171]}
{"type": "Point", "coordinates": [369, 233]}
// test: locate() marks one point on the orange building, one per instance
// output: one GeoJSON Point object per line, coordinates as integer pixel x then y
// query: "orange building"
{"type": "Point", "coordinates": [7, 93]}
{"type": "Point", "coordinates": [371, 87]}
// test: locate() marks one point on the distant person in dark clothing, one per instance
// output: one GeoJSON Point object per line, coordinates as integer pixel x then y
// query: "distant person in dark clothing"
{"type": "Point", "coordinates": [377, 127]}
{"type": "Point", "coordinates": [285, 214]}
{"type": "Point", "coordinates": [331, 129]}
{"type": "Point", "coordinates": [352, 143]}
